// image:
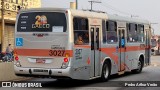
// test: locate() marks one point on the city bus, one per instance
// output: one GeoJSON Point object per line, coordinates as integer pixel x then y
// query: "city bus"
{"type": "Point", "coordinates": [79, 44]}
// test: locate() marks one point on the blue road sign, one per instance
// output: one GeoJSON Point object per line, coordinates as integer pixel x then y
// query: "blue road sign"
{"type": "Point", "coordinates": [19, 41]}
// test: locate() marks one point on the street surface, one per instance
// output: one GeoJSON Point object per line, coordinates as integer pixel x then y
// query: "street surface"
{"type": "Point", "coordinates": [150, 73]}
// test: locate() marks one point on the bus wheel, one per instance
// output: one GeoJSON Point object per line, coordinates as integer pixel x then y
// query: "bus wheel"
{"type": "Point", "coordinates": [105, 71]}
{"type": "Point", "coordinates": [140, 66]}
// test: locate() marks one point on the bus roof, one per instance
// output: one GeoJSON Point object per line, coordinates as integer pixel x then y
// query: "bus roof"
{"type": "Point", "coordinates": [94, 14]}
{"type": "Point", "coordinates": [103, 15]}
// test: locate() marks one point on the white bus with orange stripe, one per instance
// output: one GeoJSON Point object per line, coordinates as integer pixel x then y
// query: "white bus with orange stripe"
{"type": "Point", "coordinates": [79, 44]}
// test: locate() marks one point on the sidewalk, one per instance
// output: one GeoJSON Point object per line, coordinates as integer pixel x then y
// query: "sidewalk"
{"type": "Point", "coordinates": [155, 61]}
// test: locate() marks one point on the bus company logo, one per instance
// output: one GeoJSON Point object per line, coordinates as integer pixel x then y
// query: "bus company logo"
{"type": "Point", "coordinates": [41, 22]}
{"type": "Point", "coordinates": [6, 84]}
{"type": "Point", "coordinates": [21, 84]}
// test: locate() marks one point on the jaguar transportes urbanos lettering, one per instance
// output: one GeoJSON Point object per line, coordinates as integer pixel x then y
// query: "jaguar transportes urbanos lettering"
{"type": "Point", "coordinates": [41, 22]}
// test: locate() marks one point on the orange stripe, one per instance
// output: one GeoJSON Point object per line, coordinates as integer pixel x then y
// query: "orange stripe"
{"type": "Point", "coordinates": [128, 48]}
{"type": "Point", "coordinates": [82, 46]}
{"type": "Point", "coordinates": [148, 47]}
{"type": "Point", "coordinates": [134, 48]}
{"type": "Point", "coordinates": [109, 52]}
{"type": "Point", "coordinates": [112, 53]}
{"type": "Point", "coordinates": [122, 50]}
{"type": "Point", "coordinates": [42, 52]}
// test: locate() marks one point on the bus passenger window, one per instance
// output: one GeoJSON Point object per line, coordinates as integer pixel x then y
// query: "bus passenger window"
{"type": "Point", "coordinates": [140, 33]}
{"type": "Point", "coordinates": [79, 40]}
{"type": "Point", "coordinates": [111, 32]}
{"type": "Point", "coordinates": [81, 35]}
{"type": "Point", "coordinates": [86, 37]}
{"type": "Point", "coordinates": [132, 33]}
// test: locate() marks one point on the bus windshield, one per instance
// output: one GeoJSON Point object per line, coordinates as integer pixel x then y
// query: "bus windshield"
{"type": "Point", "coordinates": [42, 22]}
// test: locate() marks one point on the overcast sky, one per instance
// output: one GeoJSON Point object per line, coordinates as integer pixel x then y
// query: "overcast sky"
{"type": "Point", "coordinates": [145, 9]}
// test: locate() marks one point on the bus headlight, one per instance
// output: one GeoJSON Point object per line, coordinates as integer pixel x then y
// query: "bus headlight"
{"type": "Point", "coordinates": [17, 63]}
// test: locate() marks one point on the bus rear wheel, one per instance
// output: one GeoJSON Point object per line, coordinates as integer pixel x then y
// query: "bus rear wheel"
{"type": "Point", "coordinates": [140, 67]}
{"type": "Point", "coordinates": [105, 71]}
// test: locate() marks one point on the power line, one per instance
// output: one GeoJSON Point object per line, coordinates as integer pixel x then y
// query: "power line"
{"type": "Point", "coordinates": [93, 2]}
{"type": "Point", "coordinates": [117, 10]}
{"type": "Point", "coordinates": [114, 9]}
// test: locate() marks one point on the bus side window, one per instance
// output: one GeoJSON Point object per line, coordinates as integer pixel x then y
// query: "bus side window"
{"type": "Point", "coordinates": [111, 32]}
{"type": "Point", "coordinates": [81, 34]}
{"type": "Point", "coordinates": [132, 33]}
{"type": "Point", "coordinates": [140, 33]}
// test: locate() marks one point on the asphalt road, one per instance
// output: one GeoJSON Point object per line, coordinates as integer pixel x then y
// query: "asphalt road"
{"type": "Point", "coordinates": [150, 73]}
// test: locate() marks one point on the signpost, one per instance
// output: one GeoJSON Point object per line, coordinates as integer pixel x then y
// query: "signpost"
{"type": "Point", "coordinates": [2, 22]}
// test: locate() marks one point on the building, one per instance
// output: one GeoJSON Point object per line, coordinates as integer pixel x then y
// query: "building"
{"type": "Point", "coordinates": [10, 12]}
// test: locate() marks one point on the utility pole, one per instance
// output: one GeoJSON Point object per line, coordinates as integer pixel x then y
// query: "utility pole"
{"type": "Point", "coordinates": [92, 3]}
{"type": "Point", "coordinates": [76, 4]}
{"type": "Point", "coordinates": [3, 24]}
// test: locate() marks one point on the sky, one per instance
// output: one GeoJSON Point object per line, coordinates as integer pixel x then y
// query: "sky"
{"type": "Point", "coordinates": [144, 9]}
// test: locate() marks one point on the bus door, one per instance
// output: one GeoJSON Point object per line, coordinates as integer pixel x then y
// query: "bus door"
{"type": "Point", "coordinates": [122, 49]}
{"type": "Point", "coordinates": [147, 49]}
{"type": "Point", "coordinates": [95, 53]}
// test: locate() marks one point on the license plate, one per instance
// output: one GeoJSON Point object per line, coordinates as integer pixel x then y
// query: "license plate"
{"type": "Point", "coordinates": [40, 60]}
{"type": "Point", "coordinates": [40, 70]}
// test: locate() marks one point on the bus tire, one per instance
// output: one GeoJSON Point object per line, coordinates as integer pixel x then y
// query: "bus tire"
{"type": "Point", "coordinates": [140, 66]}
{"type": "Point", "coordinates": [106, 70]}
